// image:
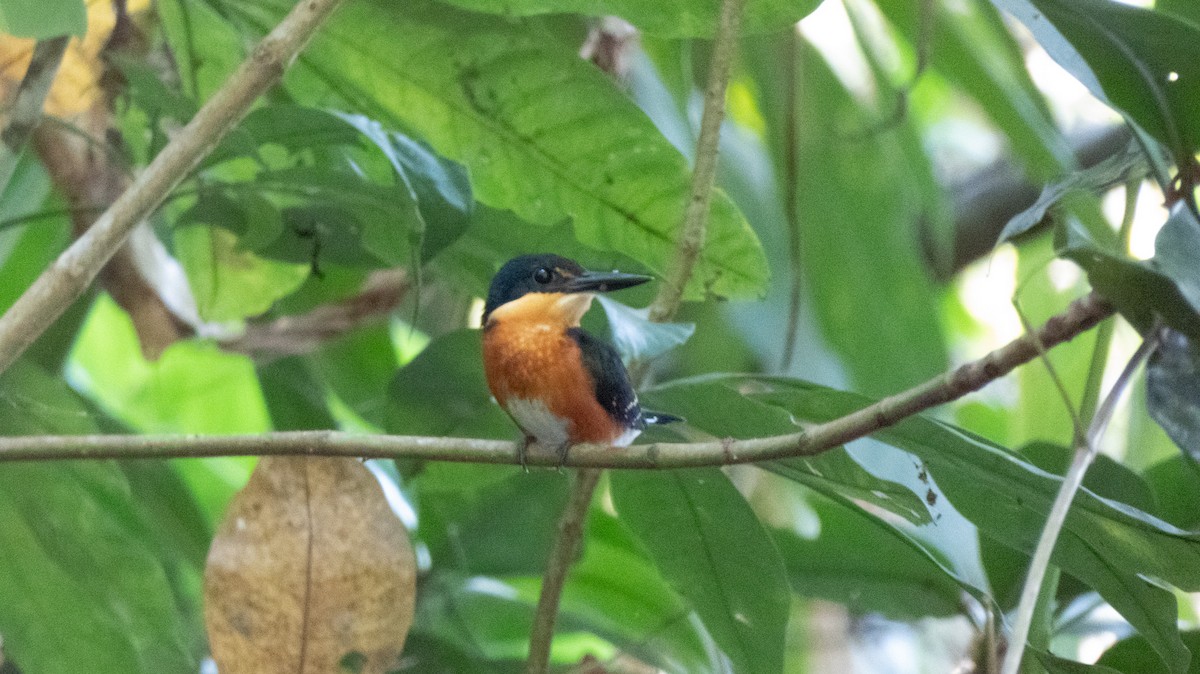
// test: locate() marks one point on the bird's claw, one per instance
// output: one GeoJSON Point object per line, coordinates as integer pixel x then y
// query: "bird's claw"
{"type": "Point", "coordinates": [562, 451]}
{"type": "Point", "coordinates": [523, 452]}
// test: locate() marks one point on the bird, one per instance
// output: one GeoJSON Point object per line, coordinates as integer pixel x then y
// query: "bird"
{"type": "Point", "coordinates": [558, 383]}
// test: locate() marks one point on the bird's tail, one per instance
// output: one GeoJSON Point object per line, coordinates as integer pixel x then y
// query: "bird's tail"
{"type": "Point", "coordinates": [659, 418]}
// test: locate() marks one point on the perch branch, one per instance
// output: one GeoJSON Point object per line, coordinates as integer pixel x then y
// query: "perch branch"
{"type": "Point", "coordinates": [74, 270]}
{"type": "Point", "coordinates": [1082, 315]}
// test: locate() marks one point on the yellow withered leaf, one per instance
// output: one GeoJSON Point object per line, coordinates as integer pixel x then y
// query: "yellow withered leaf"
{"type": "Point", "coordinates": [77, 85]}
{"type": "Point", "coordinates": [311, 572]}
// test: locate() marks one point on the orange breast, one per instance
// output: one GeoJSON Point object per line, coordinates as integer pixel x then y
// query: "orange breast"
{"type": "Point", "coordinates": [539, 361]}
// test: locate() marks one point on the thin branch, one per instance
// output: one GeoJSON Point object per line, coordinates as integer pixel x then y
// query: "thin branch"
{"type": "Point", "coordinates": [695, 219]}
{"type": "Point", "coordinates": [305, 333]}
{"type": "Point", "coordinates": [1085, 452]}
{"type": "Point", "coordinates": [670, 294]}
{"type": "Point", "coordinates": [1081, 316]}
{"type": "Point", "coordinates": [562, 557]}
{"type": "Point", "coordinates": [75, 269]}
{"type": "Point", "coordinates": [26, 109]}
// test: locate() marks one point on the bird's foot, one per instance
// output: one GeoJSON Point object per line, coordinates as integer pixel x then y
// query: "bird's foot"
{"type": "Point", "coordinates": [562, 451]}
{"type": "Point", "coordinates": [523, 451]}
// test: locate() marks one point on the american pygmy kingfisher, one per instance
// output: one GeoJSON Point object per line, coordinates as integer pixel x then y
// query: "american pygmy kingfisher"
{"type": "Point", "coordinates": [559, 384]}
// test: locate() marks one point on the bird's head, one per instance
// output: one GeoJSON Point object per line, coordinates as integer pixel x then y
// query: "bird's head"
{"type": "Point", "coordinates": [553, 283]}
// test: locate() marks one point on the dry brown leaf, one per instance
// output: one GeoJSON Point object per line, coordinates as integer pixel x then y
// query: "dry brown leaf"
{"type": "Point", "coordinates": [311, 572]}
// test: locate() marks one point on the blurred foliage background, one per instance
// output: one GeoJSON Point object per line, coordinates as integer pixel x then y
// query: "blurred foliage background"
{"type": "Point", "coordinates": [896, 179]}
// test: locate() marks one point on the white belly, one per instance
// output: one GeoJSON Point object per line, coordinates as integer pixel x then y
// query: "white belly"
{"type": "Point", "coordinates": [549, 430]}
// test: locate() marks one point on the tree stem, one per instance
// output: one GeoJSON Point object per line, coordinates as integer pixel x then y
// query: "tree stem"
{"type": "Point", "coordinates": [562, 557]}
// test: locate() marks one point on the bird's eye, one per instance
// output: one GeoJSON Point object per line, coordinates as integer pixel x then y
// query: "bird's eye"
{"type": "Point", "coordinates": [542, 275]}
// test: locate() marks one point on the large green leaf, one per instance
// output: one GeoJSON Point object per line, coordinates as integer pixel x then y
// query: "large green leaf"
{"type": "Point", "coordinates": [38, 19]}
{"type": "Point", "coordinates": [443, 392]}
{"type": "Point", "coordinates": [673, 18]}
{"type": "Point", "coordinates": [857, 203]}
{"type": "Point", "coordinates": [894, 579]}
{"type": "Point", "coordinates": [712, 549]}
{"type": "Point", "coordinates": [484, 525]}
{"type": "Point", "coordinates": [1107, 544]}
{"type": "Point", "coordinates": [81, 587]}
{"type": "Point", "coordinates": [542, 132]}
{"type": "Point", "coordinates": [1166, 287]}
{"type": "Point", "coordinates": [1126, 56]}
{"type": "Point", "coordinates": [616, 592]}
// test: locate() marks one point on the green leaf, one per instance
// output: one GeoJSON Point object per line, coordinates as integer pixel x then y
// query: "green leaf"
{"type": "Point", "coordinates": [443, 392]}
{"type": "Point", "coordinates": [674, 19]}
{"type": "Point", "coordinates": [894, 579]}
{"type": "Point", "coordinates": [295, 398]}
{"type": "Point", "coordinates": [1111, 172]}
{"type": "Point", "coordinates": [1106, 544]}
{"type": "Point", "coordinates": [1141, 291]}
{"type": "Point", "coordinates": [487, 526]}
{"type": "Point", "coordinates": [1176, 249]}
{"type": "Point", "coordinates": [406, 224]}
{"type": "Point", "coordinates": [1106, 476]}
{"type": "Point", "coordinates": [1185, 9]}
{"type": "Point", "coordinates": [975, 51]}
{"type": "Point", "coordinates": [1131, 655]}
{"type": "Point", "coordinates": [482, 617]}
{"type": "Point", "coordinates": [857, 203]}
{"type": "Point", "coordinates": [228, 283]}
{"type": "Point", "coordinates": [617, 592]}
{"type": "Point", "coordinates": [636, 336]}
{"type": "Point", "coordinates": [80, 587]}
{"type": "Point", "coordinates": [41, 19]}
{"type": "Point", "coordinates": [723, 411]}
{"type": "Point", "coordinates": [193, 388]}
{"type": "Point", "coordinates": [1057, 665]}
{"type": "Point", "coordinates": [541, 132]}
{"type": "Point", "coordinates": [1176, 485]}
{"type": "Point", "coordinates": [1173, 390]}
{"type": "Point", "coordinates": [1125, 56]}
{"type": "Point", "coordinates": [712, 549]}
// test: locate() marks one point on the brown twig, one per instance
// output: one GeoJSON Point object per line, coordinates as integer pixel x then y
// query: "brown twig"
{"type": "Point", "coordinates": [74, 270]}
{"type": "Point", "coordinates": [1082, 315]}
{"type": "Point", "coordinates": [305, 333]}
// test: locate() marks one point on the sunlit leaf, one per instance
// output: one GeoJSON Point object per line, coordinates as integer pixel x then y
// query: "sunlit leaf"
{"type": "Point", "coordinates": [76, 560]}
{"type": "Point", "coordinates": [1124, 56]}
{"type": "Point", "coordinates": [519, 108]}
{"type": "Point", "coordinates": [677, 18]}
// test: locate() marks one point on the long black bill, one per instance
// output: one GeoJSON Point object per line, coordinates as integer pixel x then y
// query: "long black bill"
{"type": "Point", "coordinates": [602, 282]}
